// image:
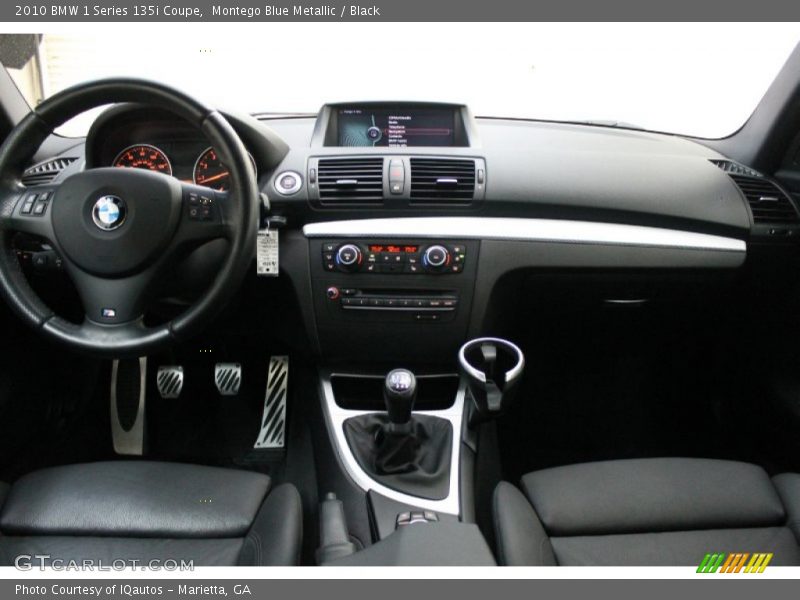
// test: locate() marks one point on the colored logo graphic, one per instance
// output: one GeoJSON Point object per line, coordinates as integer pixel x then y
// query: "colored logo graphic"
{"type": "Point", "coordinates": [735, 562]}
{"type": "Point", "coordinates": [109, 212]}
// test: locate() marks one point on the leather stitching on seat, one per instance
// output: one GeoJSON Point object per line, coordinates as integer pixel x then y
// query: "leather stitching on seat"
{"type": "Point", "coordinates": [259, 548]}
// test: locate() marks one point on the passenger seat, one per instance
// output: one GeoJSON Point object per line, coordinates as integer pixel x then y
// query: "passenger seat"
{"type": "Point", "coordinates": [661, 511]}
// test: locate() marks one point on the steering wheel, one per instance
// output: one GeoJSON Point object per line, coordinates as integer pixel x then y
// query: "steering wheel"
{"type": "Point", "coordinates": [119, 230]}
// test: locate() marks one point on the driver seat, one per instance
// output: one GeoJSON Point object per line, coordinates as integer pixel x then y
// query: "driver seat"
{"type": "Point", "coordinates": [150, 511]}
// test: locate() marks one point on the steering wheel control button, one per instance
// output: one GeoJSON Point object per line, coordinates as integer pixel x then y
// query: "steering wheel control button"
{"type": "Point", "coordinates": [108, 213]}
{"type": "Point", "coordinates": [200, 206]}
{"type": "Point", "coordinates": [288, 182]}
{"type": "Point", "coordinates": [27, 204]}
{"type": "Point", "coordinates": [40, 207]}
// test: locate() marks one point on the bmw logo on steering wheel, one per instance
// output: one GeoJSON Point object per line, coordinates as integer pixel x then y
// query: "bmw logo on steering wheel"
{"type": "Point", "coordinates": [109, 212]}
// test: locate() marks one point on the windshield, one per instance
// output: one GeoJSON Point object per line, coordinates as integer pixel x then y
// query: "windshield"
{"type": "Point", "coordinates": [694, 79]}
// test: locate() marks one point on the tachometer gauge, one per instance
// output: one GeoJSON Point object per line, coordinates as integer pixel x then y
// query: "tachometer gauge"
{"type": "Point", "coordinates": [144, 156]}
{"type": "Point", "coordinates": [210, 172]}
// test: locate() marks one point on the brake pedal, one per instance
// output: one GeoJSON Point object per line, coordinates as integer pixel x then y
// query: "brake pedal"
{"type": "Point", "coordinates": [169, 380]}
{"type": "Point", "coordinates": [273, 421]}
{"type": "Point", "coordinates": [228, 378]}
{"type": "Point", "coordinates": [128, 391]}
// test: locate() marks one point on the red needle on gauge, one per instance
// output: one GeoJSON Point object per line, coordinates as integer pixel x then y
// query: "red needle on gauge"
{"type": "Point", "coordinates": [215, 177]}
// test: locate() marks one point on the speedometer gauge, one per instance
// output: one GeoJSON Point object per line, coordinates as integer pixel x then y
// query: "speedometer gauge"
{"type": "Point", "coordinates": [144, 156]}
{"type": "Point", "coordinates": [210, 172]}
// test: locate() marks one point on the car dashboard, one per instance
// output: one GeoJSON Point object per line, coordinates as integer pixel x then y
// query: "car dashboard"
{"type": "Point", "coordinates": [407, 217]}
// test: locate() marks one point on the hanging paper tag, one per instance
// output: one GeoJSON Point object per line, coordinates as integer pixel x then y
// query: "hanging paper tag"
{"type": "Point", "coordinates": [267, 252]}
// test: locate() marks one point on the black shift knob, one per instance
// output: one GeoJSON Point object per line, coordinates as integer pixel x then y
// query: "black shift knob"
{"type": "Point", "coordinates": [399, 393]}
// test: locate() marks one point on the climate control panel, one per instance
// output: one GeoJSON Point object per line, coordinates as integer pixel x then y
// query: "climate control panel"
{"type": "Point", "coordinates": [433, 258]}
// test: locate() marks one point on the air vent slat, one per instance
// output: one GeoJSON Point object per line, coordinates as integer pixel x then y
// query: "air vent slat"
{"type": "Point", "coordinates": [443, 179]}
{"type": "Point", "coordinates": [47, 171]}
{"type": "Point", "coordinates": [735, 168]}
{"type": "Point", "coordinates": [767, 201]}
{"type": "Point", "coordinates": [350, 180]}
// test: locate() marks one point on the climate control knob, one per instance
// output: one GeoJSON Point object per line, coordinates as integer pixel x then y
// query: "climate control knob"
{"type": "Point", "coordinates": [348, 257]}
{"type": "Point", "coordinates": [436, 257]}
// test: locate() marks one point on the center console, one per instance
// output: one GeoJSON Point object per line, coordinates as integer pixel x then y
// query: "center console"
{"type": "Point", "coordinates": [385, 298]}
{"type": "Point", "coordinates": [421, 288]}
{"type": "Point", "coordinates": [414, 466]}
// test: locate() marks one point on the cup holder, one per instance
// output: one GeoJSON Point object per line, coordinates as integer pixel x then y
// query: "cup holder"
{"type": "Point", "coordinates": [493, 368]}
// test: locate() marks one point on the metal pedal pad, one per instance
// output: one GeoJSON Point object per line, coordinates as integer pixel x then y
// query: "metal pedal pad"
{"type": "Point", "coordinates": [170, 381]}
{"type": "Point", "coordinates": [273, 421]}
{"type": "Point", "coordinates": [228, 378]}
{"type": "Point", "coordinates": [128, 395]}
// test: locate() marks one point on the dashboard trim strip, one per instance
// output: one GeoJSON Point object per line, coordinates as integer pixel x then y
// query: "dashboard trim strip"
{"type": "Point", "coordinates": [529, 230]}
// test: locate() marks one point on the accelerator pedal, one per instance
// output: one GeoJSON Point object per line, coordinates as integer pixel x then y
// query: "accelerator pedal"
{"type": "Point", "coordinates": [273, 421]}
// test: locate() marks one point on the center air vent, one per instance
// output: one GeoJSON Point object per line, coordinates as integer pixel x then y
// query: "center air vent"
{"type": "Point", "coordinates": [767, 201]}
{"type": "Point", "coordinates": [350, 180]}
{"type": "Point", "coordinates": [46, 171]}
{"type": "Point", "coordinates": [443, 179]}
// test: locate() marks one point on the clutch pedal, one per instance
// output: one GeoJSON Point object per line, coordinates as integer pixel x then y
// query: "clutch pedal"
{"type": "Point", "coordinates": [170, 381]}
{"type": "Point", "coordinates": [228, 378]}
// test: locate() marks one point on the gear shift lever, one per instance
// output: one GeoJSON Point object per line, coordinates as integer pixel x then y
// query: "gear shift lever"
{"type": "Point", "coordinates": [405, 452]}
{"type": "Point", "coordinates": [399, 394]}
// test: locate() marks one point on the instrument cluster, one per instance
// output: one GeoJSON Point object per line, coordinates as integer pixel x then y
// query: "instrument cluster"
{"type": "Point", "coordinates": [181, 159]}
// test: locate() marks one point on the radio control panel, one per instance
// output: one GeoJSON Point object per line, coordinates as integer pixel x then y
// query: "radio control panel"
{"type": "Point", "coordinates": [431, 258]}
{"type": "Point", "coordinates": [416, 301]}
{"type": "Point", "coordinates": [390, 298]}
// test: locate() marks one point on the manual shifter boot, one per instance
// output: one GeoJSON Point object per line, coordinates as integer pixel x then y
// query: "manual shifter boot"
{"type": "Point", "coordinates": [415, 463]}
{"type": "Point", "coordinates": [410, 454]}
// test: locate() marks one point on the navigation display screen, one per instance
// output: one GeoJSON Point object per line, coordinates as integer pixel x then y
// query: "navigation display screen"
{"type": "Point", "coordinates": [398, 128]}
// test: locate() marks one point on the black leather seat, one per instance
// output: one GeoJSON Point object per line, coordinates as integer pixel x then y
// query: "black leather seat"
{"type": "Point", "coordinates": [151, 511]}
{"type": "Point", "coordinates": [664, 511]}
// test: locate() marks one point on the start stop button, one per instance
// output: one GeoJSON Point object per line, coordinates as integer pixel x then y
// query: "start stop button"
{"type": "Point", "coordinates": [288, 182]}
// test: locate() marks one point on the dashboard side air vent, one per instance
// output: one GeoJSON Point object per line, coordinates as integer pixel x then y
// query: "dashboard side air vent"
{"type": "Point", "coordinates": [350, 180]}
{"type": "Point", "coordinates": [47, 171]}
{"type": "Point", "coordinates": [443, 179]}
{"type": "Point", "coordinates": [767, 201]}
